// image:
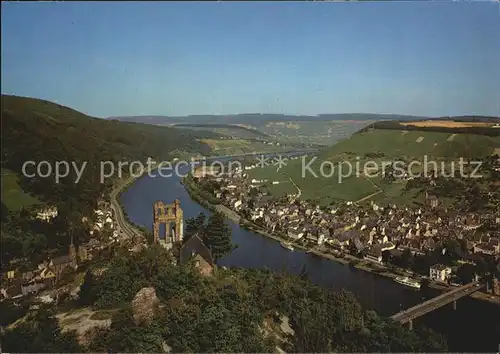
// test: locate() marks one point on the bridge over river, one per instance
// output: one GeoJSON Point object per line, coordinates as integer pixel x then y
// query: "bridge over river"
{"type": "Point", "coordinates": [408, 315]}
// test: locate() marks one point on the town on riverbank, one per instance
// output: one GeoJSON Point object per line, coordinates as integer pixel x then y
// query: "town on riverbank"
{"type": "Point", "coordinates": [433, 245]}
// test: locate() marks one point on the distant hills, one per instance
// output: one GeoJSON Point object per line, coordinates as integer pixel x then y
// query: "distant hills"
{"type": "Point", "coordinates": [258, 119]}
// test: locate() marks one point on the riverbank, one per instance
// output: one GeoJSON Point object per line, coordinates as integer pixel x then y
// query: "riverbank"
{"type": "Point", "coordinates": [284, 152]}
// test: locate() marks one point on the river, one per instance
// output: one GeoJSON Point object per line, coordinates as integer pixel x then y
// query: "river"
{"type": "Point", "coordinates": [474, 326]}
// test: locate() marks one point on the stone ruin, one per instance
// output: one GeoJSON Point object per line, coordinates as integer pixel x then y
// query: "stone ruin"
{"type": "Point", "coordinates": [144, 305]}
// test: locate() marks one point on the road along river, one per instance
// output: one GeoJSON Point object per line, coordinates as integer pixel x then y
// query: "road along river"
{"type": "Point", "coordinates": [474, 326]}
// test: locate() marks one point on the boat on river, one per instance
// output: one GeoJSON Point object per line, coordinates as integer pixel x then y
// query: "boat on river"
{"type": "Point", "coordinates": [408, 282]}
{"type": "Point", "coordinates": [287, 245]}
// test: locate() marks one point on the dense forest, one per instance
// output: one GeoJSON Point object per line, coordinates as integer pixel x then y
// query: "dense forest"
{"type": "Point", "coordinates": [236, 310]}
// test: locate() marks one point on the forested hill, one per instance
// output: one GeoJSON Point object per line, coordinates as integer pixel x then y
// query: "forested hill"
{"type": "Point", "coordinates": [38, 130]}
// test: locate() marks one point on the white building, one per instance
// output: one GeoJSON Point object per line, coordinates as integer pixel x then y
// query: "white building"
{"type": "Point", "coordinates": [439, 272]}
{"type": "Point", "coordinates": [237, 204]}
{"type": "Point", "coordinates": [47, 214]}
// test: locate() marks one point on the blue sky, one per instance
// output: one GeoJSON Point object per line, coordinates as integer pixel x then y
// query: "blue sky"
{"type": "Point", "coordinates": [109, 59]}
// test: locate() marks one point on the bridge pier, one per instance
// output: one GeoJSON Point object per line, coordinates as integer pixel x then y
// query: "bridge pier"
{"type": "Point", "coordinates": [410, 325]}
{"type": "Point", "coordinates": [454, 305]}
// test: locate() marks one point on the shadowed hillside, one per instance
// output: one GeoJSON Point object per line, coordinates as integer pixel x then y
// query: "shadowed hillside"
{"type": "Point", "coordinates": [38, 130]}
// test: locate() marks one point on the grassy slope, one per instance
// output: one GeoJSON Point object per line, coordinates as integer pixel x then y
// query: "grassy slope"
{"type": "Point", "coordinates": [12, 194]}
{"type": "Point", "coordinates": [394, 144]}
{"type": "Point", "coordinates": [227, 130]}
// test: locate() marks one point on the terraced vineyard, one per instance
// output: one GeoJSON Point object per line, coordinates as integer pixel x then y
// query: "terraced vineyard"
{"type": "Point", "coordinates": [394, 143]}
{"type": "Point", "coordinates": [319, 182]}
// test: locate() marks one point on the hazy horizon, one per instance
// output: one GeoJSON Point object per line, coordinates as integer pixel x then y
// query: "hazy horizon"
{"type": "Point", "coordinates": [426, 59]}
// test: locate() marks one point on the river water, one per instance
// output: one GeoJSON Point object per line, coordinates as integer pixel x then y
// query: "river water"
{"type": "Point", "coordinates": [474, 326]}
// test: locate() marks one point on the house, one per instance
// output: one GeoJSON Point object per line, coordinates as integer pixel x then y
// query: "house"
{"type": "Point", "coordinates": [431, 200]}
{"type": "Point", "coordinates": [439, 272]}
{"type": "Point", "coordinates": [194, 250]}
{"type": "Point", "coordinates": [485, 248]}
{"type": "Point", "coordinates": [47, 214]}
{"type": "Point", "coordinates": [33, 287]}
{"type": "Point", "coordinates": [374, 254]}
{"type": "Point", "coordinates": [294, 234]}
{"type": "Point", "coordinates": [358, 244]}
{"type": "Point", "coordinates": [59, 264]}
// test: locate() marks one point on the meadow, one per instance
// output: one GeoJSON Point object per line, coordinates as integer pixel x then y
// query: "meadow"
{"type": "Point", "coordinates": [12, 194]}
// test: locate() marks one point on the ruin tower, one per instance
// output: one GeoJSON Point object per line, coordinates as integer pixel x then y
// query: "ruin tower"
{"type": "Point", "coordinates": [179, 221]}
{"type": "Point", "coordinates": [168, 214]}
{"type": "Point", "coordinates": [72, 249]}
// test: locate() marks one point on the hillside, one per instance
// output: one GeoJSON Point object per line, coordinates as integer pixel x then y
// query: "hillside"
{"type": "Point", "coordinates": [415, 143]}
{"type": "Point", "coordinates": [232, 130]}
{"type": "Point", "coordinates": [38, 130]}
{"type": "Point", "coordinates": [323, 129]}
{"type": "Point", "coordinates": [261, 119]}
{"type": "Point", "coordinates": [454, 125]}
{"type": "Point", "coordinates": [378, 146]}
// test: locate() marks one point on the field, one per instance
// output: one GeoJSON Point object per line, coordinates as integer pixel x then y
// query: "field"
{"type": "Point", "coordinates": [318, 132]}
{"type": "Point", "coordinates": [12, 194]}
{"type": "Point", "coordinates": [221, 147]}
{"type": "Point", "coordinates": [314, 185]}
{"type": "Point", "coordinates": [234, 131]}
{"type": "Point", "coordinates": [325, 186]}
{"type": "Point", "coordinates": [447, 124]}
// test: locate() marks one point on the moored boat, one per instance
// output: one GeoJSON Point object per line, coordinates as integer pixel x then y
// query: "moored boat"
{"type": "Point", "coordinates": [287, 245]}
{"type": "Point", "coordinates": [408, 282]}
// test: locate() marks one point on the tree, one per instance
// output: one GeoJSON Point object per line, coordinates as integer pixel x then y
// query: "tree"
{"type": "Point", "coordinates": [386, 256]}
{"type": "Point", "coordinates": [127, 337]}
{"type": "Point", "coordinates": [4, 213]}
{"type": "Point", "coordinates": [86, 296]}
{"type": "Point", "coordinates": [253, 192]}
{"type": "Point", "coordinates": [481, 266]}
{"type": "Point", "coordinates": [194, 225]}
{"type": "Point", "coordinates": [466, 273]}
{"type": "Point", "coordinates": [406, 259]}
{"type": "Point", "coordinates": [11, 312]}
{"type": "Point", "coordinates": [39, 333]}
{"type": "Point", "coordinates": [217, 236]}
{"type": "Point", "coordinates": [347, 311]}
